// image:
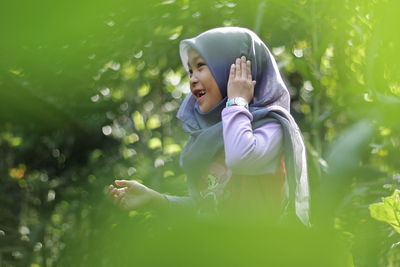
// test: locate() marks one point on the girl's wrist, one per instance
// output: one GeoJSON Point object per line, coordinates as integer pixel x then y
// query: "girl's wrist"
{"type": "Point", "coordinates": [237, 101]}
{"type": "Point", "coordinates": [158, 200]}
{"type": "Point", "coordinates": [246, 97]}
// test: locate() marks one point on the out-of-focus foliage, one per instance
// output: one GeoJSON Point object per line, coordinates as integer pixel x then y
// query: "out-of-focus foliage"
{"type": "Point", "coordinates": [388, 210]}
{"type": "Point", "coordinates": [89, 91]}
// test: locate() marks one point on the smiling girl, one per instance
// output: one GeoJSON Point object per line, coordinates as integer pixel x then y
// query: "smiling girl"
{"type": "Point", "coordinates": [245, 153]}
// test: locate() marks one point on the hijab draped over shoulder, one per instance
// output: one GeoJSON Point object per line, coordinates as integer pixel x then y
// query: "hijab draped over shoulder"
{"type": "Point", "coordinates": [219, 48]}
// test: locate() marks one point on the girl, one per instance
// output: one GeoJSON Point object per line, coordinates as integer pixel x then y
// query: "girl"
{"type": "Point", "coordinates": [245, 152]}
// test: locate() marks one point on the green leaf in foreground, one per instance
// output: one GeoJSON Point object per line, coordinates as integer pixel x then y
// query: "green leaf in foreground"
{"type": "Point", "coordinates": [388, 210]}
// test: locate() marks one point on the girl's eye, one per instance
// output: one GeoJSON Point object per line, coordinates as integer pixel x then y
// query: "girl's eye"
{"type": "Point", "coordinates": [198, 66]}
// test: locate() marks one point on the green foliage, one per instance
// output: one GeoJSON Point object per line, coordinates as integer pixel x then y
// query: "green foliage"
{"type": "Point", "coordinates": [89, 92]}
{"type": "Point", "coordinates": [388, 210]}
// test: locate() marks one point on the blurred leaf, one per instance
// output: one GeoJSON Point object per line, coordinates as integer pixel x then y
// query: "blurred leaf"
{"type": "Point", "coordinates": [153, 122]}
{"type": "Point", "coordinates": [172, 148]}
{"type": "Point", "coordinates": [388, 210]}
{"type": "Point", "coordinates": [138, 120]}
{"type": "Point", "coordinates": [154, 143]}
{"type": "Point", "coordinates": [130, 139]}
{"type": "Point", "coordinates": [345, 153]}
{"type": "Point", "coordinates": [143, 90]}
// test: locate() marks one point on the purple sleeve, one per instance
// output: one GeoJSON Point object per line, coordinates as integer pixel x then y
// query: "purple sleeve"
{"type": "Point", "coordinates": [249, 151]}
{"type": "Point", "coordinates": [176, 203]}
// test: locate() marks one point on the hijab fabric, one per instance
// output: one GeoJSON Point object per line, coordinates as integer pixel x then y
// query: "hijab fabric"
{"type": "Point", "coordinates": [219, 48]}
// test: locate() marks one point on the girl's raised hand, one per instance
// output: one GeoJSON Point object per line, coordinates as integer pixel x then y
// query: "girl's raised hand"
{"type": "Point", "coordinates": [132, 195]}
{"type": "Point", "coordinates": [240, 83]}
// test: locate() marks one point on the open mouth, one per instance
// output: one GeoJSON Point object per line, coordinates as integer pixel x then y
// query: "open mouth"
{"type": "Point", "coordinates": [199, 93]}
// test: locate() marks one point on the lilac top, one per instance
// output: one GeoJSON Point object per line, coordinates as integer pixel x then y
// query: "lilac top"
{"type": "Point", "coordinates": [247, 151]}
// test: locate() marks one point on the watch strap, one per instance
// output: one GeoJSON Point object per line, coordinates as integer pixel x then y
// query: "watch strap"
{"type": "Point", "coordinates": [237, 101]}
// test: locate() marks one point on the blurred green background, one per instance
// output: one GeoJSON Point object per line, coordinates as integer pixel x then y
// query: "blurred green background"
{"type": "Point", "coordinates": [89, 92]}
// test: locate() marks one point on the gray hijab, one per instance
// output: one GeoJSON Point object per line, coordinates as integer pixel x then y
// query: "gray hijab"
{"type": "Point", "coordinates": [219, 48]}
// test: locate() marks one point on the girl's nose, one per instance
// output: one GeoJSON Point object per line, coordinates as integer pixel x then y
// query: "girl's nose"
{"type": "Point", "coordinates": [193, 79]}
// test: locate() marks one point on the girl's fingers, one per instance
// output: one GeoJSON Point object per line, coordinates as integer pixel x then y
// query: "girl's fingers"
{"type": "Point", "coordinates": [232, 72]}
{"type": "Point", "coordinates": [122, 201]}
{"type": "Point", "coordinates": [123, 183]}
{"type": "Point", "coordinates": [113, 193]}
{"type": "Point", "coordinates": [243, 67]}
{"type": "Point", "coordinates": [116, 192]}
{"type": "Point", "coordinates": [238, 69]}
{"type": "Point", "coordinates": [249, 70]}
{"type": "Point", "coordinates": [119, 200]}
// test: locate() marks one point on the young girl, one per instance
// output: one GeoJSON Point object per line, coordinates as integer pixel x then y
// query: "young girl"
{"type": "Point", "coordinates": [245, 153]}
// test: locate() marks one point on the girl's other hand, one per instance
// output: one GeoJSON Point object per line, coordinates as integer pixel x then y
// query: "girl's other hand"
{"type": "Point", "coordinates": [131, 195]}
{"type": "Point", "coordinates": [240, 83]}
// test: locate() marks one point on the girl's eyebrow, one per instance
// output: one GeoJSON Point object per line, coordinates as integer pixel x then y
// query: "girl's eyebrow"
{"type": "Point", "coordinates": [194, 59]}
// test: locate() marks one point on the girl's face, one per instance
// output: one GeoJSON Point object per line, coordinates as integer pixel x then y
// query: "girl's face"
{"type": "Point", "coordinates": [202, 83]}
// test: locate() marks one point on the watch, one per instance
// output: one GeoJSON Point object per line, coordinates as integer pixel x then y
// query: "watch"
{"type": "Point", "coordinates": [237, 101]}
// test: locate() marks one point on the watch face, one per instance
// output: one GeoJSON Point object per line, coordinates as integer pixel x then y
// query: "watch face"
{"type": "Point", "coordinates": [240, 101]}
